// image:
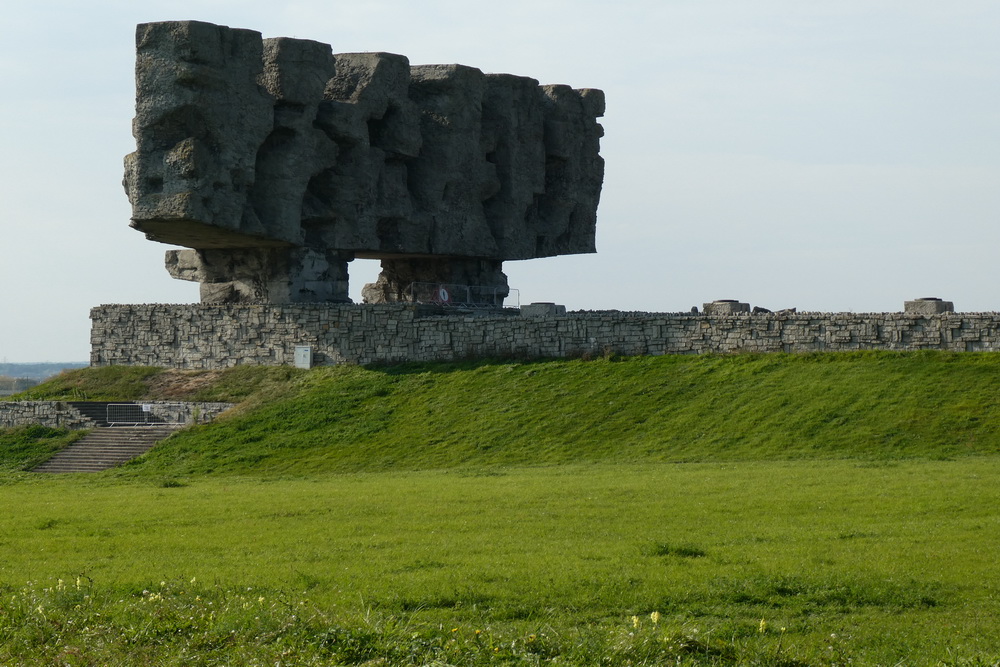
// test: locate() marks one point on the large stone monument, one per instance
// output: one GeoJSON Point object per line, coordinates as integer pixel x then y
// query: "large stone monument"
{"type": "Point", "coordinates": [277, 162]}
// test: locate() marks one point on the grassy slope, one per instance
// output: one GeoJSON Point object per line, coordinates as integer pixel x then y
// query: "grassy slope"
{"type": "Point", "coordinates": [132, 383]}
{"type": "Point", "coordinates": [26, 447]}
{"type": "Point", "coordinates": [753, 407]}
{"type": "Point", "coordinates": [679, 408]}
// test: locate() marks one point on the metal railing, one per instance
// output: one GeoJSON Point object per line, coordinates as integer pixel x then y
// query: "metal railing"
{"type": "Point", "coordinates": [145, 414]}
{"type": "Point", "coordinates": [463, 296]}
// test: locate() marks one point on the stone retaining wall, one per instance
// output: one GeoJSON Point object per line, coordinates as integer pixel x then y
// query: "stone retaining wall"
{"type": "Point", "coordinates": [217, 336]}
{"type": "Point", "coordinates": [54, 414]}
{"type": "Point", "coordinates": [186, 413]}
{"type": "Point", "coordinates": [62, 414]}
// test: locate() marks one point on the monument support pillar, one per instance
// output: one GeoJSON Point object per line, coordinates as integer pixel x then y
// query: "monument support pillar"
{"type": "Point", "coordinates": [411, 279]}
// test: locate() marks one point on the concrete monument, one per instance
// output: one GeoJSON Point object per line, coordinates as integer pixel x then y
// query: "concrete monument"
{"type": "Point", "coordinates": [276, 162]}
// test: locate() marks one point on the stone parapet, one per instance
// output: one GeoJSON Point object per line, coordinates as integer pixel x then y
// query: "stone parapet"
{"type": "Point", "coordinates": [63, 414]}
{"type": "Point", "coordinates": [54, 414]}
{"type": "Point", "coordinates": [202, 336]}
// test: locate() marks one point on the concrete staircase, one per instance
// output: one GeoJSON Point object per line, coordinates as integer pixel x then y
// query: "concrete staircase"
{"type": "Point", "coordinates": [96, 410]}
{"type": "Point", "coordinates": [106, 447]}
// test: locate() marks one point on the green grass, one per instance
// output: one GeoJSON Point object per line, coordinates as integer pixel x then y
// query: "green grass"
{"type": "Point", "coordinates": [660, 409]}
{"type": "Point", "coordinates": [26, 447]}
{"type": "Point", "coordinates": [897, 561]}
{"type": "Point", "coordinates": [133, 383]}
{"type": "Point", "coordinates": [760, 510]}
{"type": "Point", "coordinates": [110, 383]}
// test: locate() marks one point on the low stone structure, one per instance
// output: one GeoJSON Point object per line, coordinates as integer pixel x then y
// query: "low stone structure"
{"type": "Point", "coordinates": [220, 336]}
{"type": "Point", "coordinates": [276, 162]}
{"type": "Point", "coordinates": [542, 309]}
{"type": "Point", "coordinates": [929, 305]}
{"type": "Point", "coordinates": [63, 414]}
{"type": "Point", "coordinates": [54, 414]}
{"type": "Point", "coordinates": [725, 307]}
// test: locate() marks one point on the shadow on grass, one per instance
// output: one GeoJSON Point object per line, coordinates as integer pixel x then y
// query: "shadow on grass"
{"type": "Point", "coordinates": [471, 364]}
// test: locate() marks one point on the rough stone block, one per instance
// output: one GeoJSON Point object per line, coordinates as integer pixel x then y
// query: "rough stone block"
{"type": "Point", "coordinates": [542, 309]}
{"type": "Point", "coordinates": [725, 307]}
{"type": "Point", "coordinates": [928, 306]}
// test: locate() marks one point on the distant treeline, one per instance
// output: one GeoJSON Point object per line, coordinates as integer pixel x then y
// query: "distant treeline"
{"type": "Point", "coordinates": [38, 371]}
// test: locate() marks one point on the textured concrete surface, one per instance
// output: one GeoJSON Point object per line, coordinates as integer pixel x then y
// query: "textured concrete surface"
{"type": "Point", "coordinates": [276, 162]}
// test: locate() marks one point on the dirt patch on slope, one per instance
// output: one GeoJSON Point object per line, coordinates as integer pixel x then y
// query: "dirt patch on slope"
{"type": "Point", "coordinates": [180, 385]}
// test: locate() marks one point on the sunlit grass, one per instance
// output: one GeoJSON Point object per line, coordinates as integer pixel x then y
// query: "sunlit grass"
{"type": "Point", "coordinates": [738, 408]}
{"type": "Point", "coordinates": [897, 560]}
{"type": "Point", "coordinates": [28, 446]}
{"type": "Point", "coordinates": [122, 383]}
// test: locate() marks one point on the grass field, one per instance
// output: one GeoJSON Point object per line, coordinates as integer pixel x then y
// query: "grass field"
{"type": "Point", "coordinates": [349, 516]}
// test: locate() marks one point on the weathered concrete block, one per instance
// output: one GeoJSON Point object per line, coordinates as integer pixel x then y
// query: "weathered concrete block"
{"type": "Point", "coordinates": [542, 309]}
{"type": "Point", "coordinates": [287, 161]}
{"type": "Point", "coordinates": [725, 307]}
{"type": "Point", "coordinates": [930, 305]}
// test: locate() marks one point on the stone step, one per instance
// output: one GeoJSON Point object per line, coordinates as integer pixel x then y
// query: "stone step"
{"type": "Point", "coordinates": [95, 410]}
{"type": "Point", "coordinates": [88, 465]}
{"type": "Point", "coordinates": [111, 446]}
{"type": "Point", "coordinates": [105, 447]}
{"type": "Point", "coordinates": [87, 451]}
{"type": "Point", "coordinates": [72, 469]}
{"type": "Point", "coordinates": [122, 434]}
{"type": "Point", "coordinates": [88, 454]}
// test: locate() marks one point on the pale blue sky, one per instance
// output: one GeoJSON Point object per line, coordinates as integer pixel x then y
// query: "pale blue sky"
{"type": "Point", "coordinates": [829, 156]}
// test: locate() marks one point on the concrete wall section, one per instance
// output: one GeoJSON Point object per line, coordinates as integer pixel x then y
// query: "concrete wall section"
{"type": "Point", "coordinates": [219, 336]}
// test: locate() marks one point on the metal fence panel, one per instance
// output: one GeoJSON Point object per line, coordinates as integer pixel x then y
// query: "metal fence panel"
{"type": "Point", "coordinates": [144, 414]}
